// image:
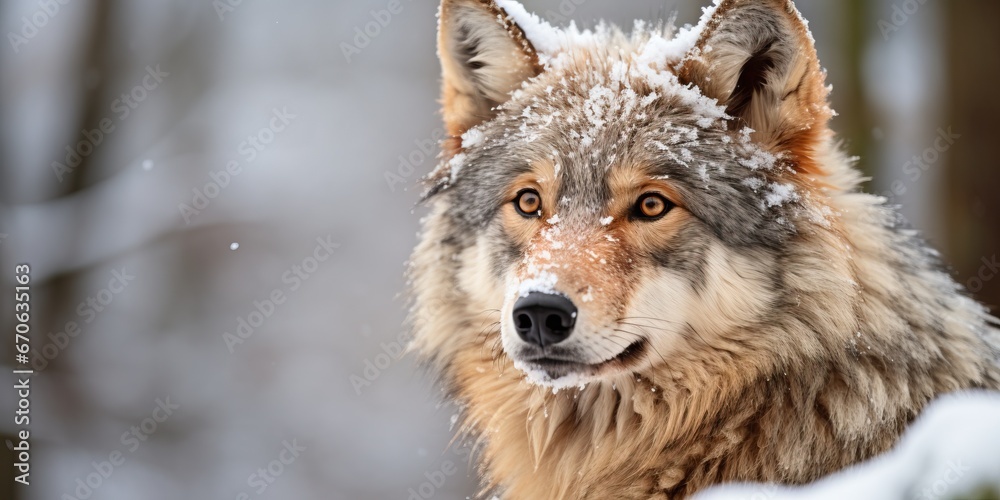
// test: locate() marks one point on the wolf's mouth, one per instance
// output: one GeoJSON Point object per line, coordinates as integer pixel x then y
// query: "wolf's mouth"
{"type": "Point", "coordinates": [559, 367]}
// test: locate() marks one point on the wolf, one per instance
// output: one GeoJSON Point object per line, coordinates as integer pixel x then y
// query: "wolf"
{"type": "Point", "coordinates": [648, 267]}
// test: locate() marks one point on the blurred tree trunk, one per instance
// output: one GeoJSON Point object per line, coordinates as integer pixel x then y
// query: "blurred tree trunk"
{"type": "Point", "coordinates": [855, 120]}
{"type": "Point", "coordinates": [53, 301]}
{"type": "Point", "coordinates": [973, 176]}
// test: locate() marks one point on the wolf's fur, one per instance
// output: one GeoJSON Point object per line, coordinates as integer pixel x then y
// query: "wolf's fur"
{"type": "Point", "coordinates": [787, 324]}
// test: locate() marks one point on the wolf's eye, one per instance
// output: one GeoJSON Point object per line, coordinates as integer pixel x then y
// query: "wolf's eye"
{"type": "Point", "coordinates": [528, 203]}
{"type": "Point", "coordinates": [651, 206]}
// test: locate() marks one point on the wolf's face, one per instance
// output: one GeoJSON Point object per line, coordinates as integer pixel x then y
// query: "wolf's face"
{"type": "Point", "coordinates": [615, 207]}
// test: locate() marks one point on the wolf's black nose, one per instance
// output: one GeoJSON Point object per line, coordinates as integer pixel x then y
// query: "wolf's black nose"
{"type": "Point", "coordinates": [544, 318]}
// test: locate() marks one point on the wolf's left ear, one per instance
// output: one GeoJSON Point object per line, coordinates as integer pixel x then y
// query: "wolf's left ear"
{"type": "Point", "coordinates": [758, 59]}
{"type": "Point", "coordinates": [484, 57]}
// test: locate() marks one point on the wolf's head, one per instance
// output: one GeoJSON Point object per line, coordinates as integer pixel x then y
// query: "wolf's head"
{"type": "Point", "coordinates": [614, 202]}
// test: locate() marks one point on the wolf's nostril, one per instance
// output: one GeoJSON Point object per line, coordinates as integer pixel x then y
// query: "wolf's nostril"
{"type": "Point", "coordinates": [554, 322]}
{"type": "Point", "coordinates": [523, 322]}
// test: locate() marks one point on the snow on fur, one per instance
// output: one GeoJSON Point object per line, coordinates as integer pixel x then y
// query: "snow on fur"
{"type": "Point", "coordinates": [651, 53]}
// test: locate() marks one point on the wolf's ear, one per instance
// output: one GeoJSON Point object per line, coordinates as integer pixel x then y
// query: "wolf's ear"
{"type": "Point", "coordinates": [484, 57]}
{"type": "Point", "coordinates": [758, 59]}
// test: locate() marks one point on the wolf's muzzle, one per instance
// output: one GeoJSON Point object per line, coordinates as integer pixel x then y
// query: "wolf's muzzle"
{"type": "Point", "coordinates": [544, 319]}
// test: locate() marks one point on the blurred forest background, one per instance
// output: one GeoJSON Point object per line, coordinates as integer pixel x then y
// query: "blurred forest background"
{"type": "Point", "coordinates": [219, 195]}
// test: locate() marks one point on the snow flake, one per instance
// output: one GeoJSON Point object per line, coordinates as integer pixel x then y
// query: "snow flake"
{"type": "Point", "coordinates": [780, 194]}
{"type": "Point", "coordinates": [472, 137]}
{"type": "Point", "coordinates": [544, 282]}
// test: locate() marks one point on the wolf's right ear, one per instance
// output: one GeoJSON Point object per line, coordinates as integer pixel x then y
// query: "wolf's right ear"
{"type": "Point", "coordinates": [484, 57]}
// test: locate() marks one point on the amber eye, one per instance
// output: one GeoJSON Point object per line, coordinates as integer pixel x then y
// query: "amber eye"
{"type": "Point", "coordinates": [528, 203]}
{"type": "Point", "coordinates": [651, 206]}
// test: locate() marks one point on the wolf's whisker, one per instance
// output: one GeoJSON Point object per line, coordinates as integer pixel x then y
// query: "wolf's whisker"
{"type": "Point", "coordinates": [485, 334]}
{"type": "Point", "coordinates": [635, 335]}
{"type": "Point", "coordinates": [663, 320]}
{"type": "Point", "coordinates": [487, 319]}
{"type": "Point", "coordinates": [487, 331]}
{"type": "Point", "coordinates": [689, 327]}
{"type": "Point", "coordinates": [596, 354]}
{"type": "Point", "coordinates": [493, 327]}
{"type": "Point", "coordinates": [650, 344]}
{"type": "Point", "coordinates": [657, 328]}
{"type": "Point", "coordinates": [621, 346]}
